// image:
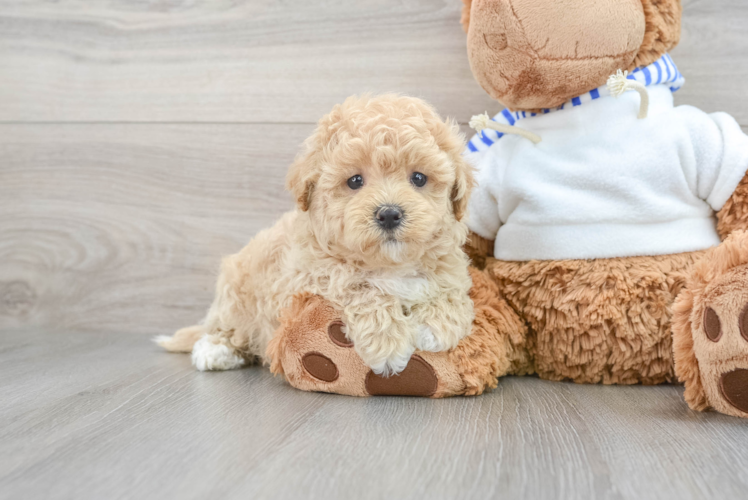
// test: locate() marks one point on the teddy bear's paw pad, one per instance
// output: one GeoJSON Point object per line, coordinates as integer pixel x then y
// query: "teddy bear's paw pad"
{"type": "Point", "coordinates": [336, 331]}
{"type": "Point", "coordinates": [721, 343]}
{"type": "Point", "coordinates": [734, 388]}
{"type": "Point", "coordinates": [743, 323]}
{"type": "Point", "coordinates": [417, 379]}
{"type": "Point", "coordinates": [320, 367]}
{"type": "Point", "coordinates": [712, 325]}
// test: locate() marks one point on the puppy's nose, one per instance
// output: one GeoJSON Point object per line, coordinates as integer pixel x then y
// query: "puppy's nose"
{"type": "Point", "coordinates": [389, 216]}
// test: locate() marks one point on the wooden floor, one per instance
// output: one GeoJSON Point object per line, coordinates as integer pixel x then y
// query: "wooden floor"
{"type": "Point", "coordinates": [108, 416]}
{"type": "Point", "coordinates": [141, 140]}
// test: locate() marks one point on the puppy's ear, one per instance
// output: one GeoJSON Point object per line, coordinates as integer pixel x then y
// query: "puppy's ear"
{"type": "Point", "coordinates": [464, 182]}
{"type": "Point", "coordinates": [307, 167]}
{"type": "Point", "coordinates": [452, 141]}
{"type": "Point", "coordinates": [301, 179]}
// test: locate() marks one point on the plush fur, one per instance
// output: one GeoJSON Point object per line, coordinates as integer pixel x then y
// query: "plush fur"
{"type": "Point", "coordinates": [662, 31]}
{"type": "Point", "coordinates": [600, 320]}
{"type": "Point", "coordinates": [613, 321]}
{"type": "Point", "coordinates": [398, 290]}
{"type": "Point", "coordinates": [717, 281]}
{"type": "Point", "coordinates": [734, 215]}
{"type": "Point", "coordinates": [526, 59]}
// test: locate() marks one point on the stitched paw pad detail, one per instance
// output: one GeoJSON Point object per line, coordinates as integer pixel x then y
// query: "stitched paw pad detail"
{"type": "Point", "coordinates": [314, 353]}
{"type": "Point", "coordinates": [712, 325]}
{"type": "Point", "coordinates": [320, 367]}
{"type": "Point", "coordinates": [723, 352]}
{"type": "Point", "coordinates": [417, 379]}
{"type": "Point", "coordinates": [734, 388]}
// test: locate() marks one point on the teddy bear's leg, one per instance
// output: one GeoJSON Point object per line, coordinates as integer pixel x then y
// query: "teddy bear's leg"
{"type": "Point", "coordinates": [312, 351]}
{"type": "Point", "coordinates": [710, 330]}
{"type": "Point", "coordinates": [499, 343]}
{"type": "Point", "coordinates": [600, 320]}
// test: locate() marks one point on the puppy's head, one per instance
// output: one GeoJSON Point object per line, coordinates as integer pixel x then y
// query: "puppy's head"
{"type": "Point", "coordinates": [383, 181]}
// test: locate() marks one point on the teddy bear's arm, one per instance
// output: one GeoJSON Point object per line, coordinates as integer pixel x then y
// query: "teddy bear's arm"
{"type": "Point", "coordinates": [478, 249]}
{"type": "Point", "coordinates": [734, 214]}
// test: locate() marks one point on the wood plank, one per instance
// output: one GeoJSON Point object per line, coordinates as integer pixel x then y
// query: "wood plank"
{"type": "Point", "coordinates": [123, 226]}
{"type": "Point", "coordinates": [261, 61]}
{"type": "Point", "coordinates": [226, 61]}
{"type": "Point", "coordinates": [93, 415]}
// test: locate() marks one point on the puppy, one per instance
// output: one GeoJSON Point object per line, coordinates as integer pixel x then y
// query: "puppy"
{"type": "Point", "coordinates": [381, 188]}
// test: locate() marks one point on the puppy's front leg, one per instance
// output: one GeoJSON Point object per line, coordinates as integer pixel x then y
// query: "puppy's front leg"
{"type": "Point", "coordinates": [444, 322]}
{"type": "Point", "coordinates": [382, 334]}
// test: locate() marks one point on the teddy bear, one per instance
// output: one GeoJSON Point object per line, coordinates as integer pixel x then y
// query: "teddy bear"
{"type": "Point", "coordinates": [608, 227]}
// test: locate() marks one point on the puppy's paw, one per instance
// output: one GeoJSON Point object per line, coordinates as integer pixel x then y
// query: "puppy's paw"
{"type": "Point", "coordinates": [208, 355]}
{"type": "Point", "coordinates": [428, 341]}
{"type": "Point", "coordinates": [390, 363]}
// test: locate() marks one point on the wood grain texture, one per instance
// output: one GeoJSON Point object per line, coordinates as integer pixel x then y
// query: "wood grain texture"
{"type": "Point", "coordinates": [123, 226]}
{"type": "Point", "coordinates": [226, 61]}
{"type": "Point", "coordinates": [258, 61]}
{"type": "Point", "coordinates": [90, 416]}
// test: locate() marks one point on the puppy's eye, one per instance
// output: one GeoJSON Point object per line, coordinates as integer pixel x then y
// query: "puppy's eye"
{"type": "Point", "coordinates": [355, 182]}
{"type": "Point", "coordinates": [418, 179]}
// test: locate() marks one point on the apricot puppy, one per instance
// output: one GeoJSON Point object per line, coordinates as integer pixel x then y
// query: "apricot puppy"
{"type": "Point", "coordinates": [381, 189]}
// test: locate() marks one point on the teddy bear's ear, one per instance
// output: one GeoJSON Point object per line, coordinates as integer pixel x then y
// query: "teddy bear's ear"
{"type": "Point", "coordinates": [465, 18]}
{"type": "Point", "coordinates": [662, 32]}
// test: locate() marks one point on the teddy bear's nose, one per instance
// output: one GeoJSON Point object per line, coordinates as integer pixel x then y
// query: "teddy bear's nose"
{"type": "Point", "coordinates": [389, 216]}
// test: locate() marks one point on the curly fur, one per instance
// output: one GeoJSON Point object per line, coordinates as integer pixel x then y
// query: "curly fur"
{"type": "Point", "coordinates": [389, 286]}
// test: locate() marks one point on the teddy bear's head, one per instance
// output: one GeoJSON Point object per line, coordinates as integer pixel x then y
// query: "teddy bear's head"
{"type": "Point", "coordinates": [534, 54]}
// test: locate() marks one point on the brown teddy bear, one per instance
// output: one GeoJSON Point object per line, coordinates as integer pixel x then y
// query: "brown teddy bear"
{"type": "Point", "coordinates": [608, 226]}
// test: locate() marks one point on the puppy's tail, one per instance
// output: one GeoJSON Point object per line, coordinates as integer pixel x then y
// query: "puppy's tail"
{"type": "Point", "coordinates": [182, 341]}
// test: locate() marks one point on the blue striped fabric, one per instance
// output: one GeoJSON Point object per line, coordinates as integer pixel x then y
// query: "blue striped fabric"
{"type": "Point", "coordinates": [662, 71]}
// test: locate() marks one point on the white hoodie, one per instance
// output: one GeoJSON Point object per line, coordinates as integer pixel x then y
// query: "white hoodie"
{"type": "Point", "coordinates": [603, 183]}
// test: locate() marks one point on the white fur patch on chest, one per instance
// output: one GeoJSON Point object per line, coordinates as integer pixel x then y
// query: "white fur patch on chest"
{"type": "Point", "coordinates": [409, 289]}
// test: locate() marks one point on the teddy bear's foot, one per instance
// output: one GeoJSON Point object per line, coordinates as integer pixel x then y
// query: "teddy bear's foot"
{"type": "Point", "coordinates": [710, 330]}
{"type": "Point", "coordinates": [314, 354]}
{"type": "Point", "coordinates": [312, 351]}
